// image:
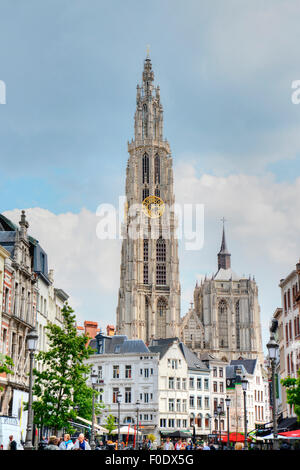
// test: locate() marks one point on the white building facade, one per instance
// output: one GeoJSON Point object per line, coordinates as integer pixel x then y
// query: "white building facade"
{"type": "Point", "coordinates": [126, 367]}
{"type": "Point", "coordinates": [257, 395]}
{"type": "Point", "coordinates": [173, 392]}
{"type": "Point", "coordinates": [290, 332]}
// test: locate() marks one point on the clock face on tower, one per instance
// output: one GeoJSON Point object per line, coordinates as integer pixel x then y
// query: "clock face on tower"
{"type": "Point", "coordinates": [153, 207]}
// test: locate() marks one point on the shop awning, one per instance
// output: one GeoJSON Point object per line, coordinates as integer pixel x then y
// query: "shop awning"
{"type": "Point", "coordinates": [291, 434]}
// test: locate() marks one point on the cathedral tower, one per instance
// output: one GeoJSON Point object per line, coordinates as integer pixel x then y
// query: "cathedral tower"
{"type": "Point", "coordinates": [149, 294]}
{"type": "Point", "coordinates": [225, 321]}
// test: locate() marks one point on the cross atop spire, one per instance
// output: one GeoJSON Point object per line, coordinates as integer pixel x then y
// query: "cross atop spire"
{"type": "Point", "coordinates": [223, 249]}
{"type": "Point", "coordinates": [224, 255]}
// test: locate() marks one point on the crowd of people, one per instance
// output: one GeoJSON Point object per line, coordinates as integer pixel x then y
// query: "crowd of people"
{"type": "Point", "coordinates": [82, 443]}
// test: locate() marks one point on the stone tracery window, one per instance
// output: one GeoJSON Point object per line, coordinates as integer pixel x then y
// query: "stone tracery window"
{"type": "Point", "coordinates": [238, 325]}
{"type": "Point", "coordinates": [157, 169]}
{"type": "Point", "coordinates": [161, 318]}
{"type": "Point", "coordinates": [223, 324]}
{"type": "Point", "coordinates": [161, 250]}
{"type": "Point", "coordinates": [145, 168]}
{"type": "Point", "coordinates": [145, 121]}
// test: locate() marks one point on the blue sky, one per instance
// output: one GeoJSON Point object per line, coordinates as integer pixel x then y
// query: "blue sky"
{"type": "Point", "coordinates": [225, 71]}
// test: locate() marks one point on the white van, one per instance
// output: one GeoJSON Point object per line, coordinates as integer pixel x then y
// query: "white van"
{"type": "Point", "coordinates": [10, 425]}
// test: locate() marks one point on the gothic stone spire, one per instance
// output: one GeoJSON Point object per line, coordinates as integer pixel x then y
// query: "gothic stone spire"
{"type": "Point", "coordinates": [224, 255]}
{"type": "Point", "coordinates": [149, 111]}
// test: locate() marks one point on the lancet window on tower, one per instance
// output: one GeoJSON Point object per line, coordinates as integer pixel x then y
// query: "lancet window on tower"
{"type": "Point", "coordinates": [147, 319]}
{"type": "Point", "coordinates": [146, 257]}
{"type": "Point", "coordinates": [161, 250]}
{"type": "Point", "coordinates": [145, 121]}
{"type": "Point", "coordinates": [223, 324]}
{"type": "Point", "coordinates": [157, 169]}
{"type": "Point", "coordinates": [146, 250]}
{"type": "Point", "coordinates": [237, 320]}
{"type": "Point", "coordinates": [161, 318]}
{"type": "Point", "coordinates": [145, 193]}
{"type": "Point", "coordinates": [146, 273]}
{"type": "Point", "coordinates": [146, 168]}
{"type": "Point", "coordinates": [161, 272]}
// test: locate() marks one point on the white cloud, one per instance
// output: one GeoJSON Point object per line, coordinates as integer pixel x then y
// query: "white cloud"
{"type": "Point", "coordinates": [261, 211]}
{"type": "Point", "coordinates": [263, 229]}
{"type": "Point", "coordinates": [262, 232]}
{"type": "Point", "coordinates": [87, 268]}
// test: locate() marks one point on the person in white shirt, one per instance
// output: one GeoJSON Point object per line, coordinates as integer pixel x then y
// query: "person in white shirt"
{"type": "Point", "coordinates": [168, 445]}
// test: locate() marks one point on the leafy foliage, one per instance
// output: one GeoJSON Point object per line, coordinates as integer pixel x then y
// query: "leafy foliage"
{"type": "Point", "coordinates": [110, 423]}
{"type": "Point", "coordinates": [293, 392]}
{"type": "Point", "coordinates": [61, 386]}
{"type": "Point", "coordinates": [151, 437]}
{"type": "Point", "coordinates": [6, 365]}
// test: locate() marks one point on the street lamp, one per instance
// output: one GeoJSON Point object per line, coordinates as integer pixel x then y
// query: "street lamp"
{"type": "Point", "coordinates": [32, 339]}
{"type": "Point", "coordinates": [209, 418]}
{"type": "Point", "coordinates": [244, 386]}
{"type": "Point", "coordinates": [273, 348]}
{"type": "Point", "coordinates": [219, 410]}
{"type": "Point", "coordinates": [94, 378]}
{"type": "Point", "coordinates": [227, 401]}
{"type": "Point", "coordinates": [137, 424]}
{"type": "Point", "coordinates": [119, 396]}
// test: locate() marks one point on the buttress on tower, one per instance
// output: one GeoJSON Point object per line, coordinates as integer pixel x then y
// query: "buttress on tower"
{"type": "Point", "coordinates": [149, 294]}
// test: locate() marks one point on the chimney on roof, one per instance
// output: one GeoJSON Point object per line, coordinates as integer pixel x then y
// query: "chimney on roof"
{"type": "Point", "coordinates": [90, 328]}
{"type": "Point", "coordinates": [110, 330]}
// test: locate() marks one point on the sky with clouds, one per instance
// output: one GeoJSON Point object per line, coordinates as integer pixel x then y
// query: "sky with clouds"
{"type": "Point", "coordinates": [225, 71]}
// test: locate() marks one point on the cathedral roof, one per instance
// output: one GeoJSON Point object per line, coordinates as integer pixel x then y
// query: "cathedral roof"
{"type": "Point", "coordinates": [226, 275]}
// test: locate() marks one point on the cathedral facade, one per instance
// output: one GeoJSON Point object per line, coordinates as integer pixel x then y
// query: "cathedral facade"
{"type": "Point", "coordinates": [149, 294]}
{"type": "Point", "coordinates": [225, 319]}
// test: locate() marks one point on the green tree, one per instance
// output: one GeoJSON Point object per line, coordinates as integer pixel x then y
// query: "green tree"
{"type": "Point", "coordinates": [6, 365]}
{"type": "Point", "coordinates": [61, 386]}
{"type": "Point", "coordinates": [110, 423]}
{"type": "Point", "coordinates": [293, 392]}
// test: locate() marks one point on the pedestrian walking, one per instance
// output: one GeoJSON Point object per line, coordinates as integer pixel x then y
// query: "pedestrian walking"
{"type": "Point", "coordinates": [12, 445]}
{"type": "Point", "coordinates": [178, 445]}
{"type": "Point", "coordinates": [168, 445]}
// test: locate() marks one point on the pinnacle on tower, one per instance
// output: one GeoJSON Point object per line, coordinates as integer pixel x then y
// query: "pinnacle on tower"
{"type": "Point", "coordinates": [23, 223]}
{"type": "Point", "coordinates": [148, 76]}
{"type": "Point", "coordinates": [224, 255]}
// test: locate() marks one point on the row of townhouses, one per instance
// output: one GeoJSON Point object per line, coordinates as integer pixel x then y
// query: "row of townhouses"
{"type": "Point", "coordinates": [287, 318]}
{"type": "Point", "coordinates": [165, 387]}
{"type": "Point", "coordinates": [28, 299]}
